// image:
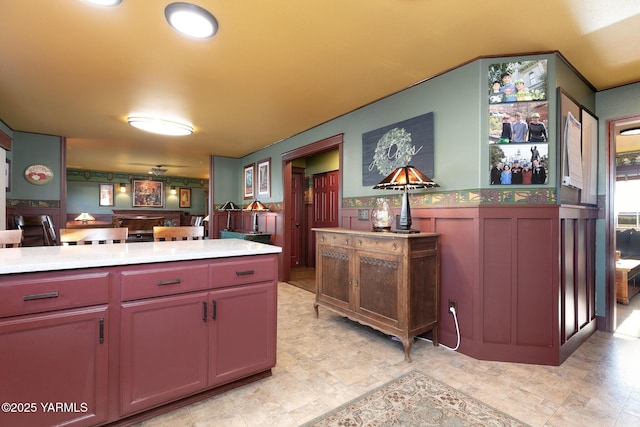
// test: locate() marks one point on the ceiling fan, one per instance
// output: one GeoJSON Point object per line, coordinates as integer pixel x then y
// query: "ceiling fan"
{"type": "Point", "coordinates": [158, 170]}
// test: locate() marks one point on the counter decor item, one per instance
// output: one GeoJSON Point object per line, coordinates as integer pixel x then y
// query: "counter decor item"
{"type": "Point", "coordinates": [405, 178]}
{"type": "Point", "coordinates": [255, 207]}
{"type": "Point", "coordinates": [228, 207]}
{"type": "Point", "coordinates": [381, 215]}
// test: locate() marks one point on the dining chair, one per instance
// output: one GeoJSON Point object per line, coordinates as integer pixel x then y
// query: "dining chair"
{"type": "Point", "coordinates": [34, 228]}
{"type": "Point", "coordinates": [50, 238]}
{"type": "Point", "coordinates": [10, 238]}
{"type": "Point", "coordinates": [178, 233]}
{"type": "Point", "coordinates": [93, 236]}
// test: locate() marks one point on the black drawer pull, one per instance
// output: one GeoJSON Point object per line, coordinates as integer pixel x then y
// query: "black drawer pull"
{"type": "Point", "coordinates": [168, 282]}
{"type": "Point", "coordinates": [102, 330]}
{"type": "Point", "coordinates": [41, 296]}
{"type": "Point", "coordinates": [214, 313]}
{"type": "Point", "coordinates": [204, 311]}
{"type": "Point", "coordinates": [244, 273]}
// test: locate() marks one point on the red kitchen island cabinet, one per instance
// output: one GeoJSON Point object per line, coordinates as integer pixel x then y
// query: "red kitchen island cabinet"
{"type": "Point", "coordinates": [91, 335]}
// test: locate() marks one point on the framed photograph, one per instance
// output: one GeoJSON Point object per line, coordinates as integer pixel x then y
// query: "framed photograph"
{"type": "Point", "coordinates": [106, 195]}
{"type": "Point", "coordinates": [264, 177]}
{"type": "Point", "coordinates": [7, 175]}
{"type": "Point", "coordinates": [148, 194]}
{"type": "Point", "coordinates": [185, 197]}
{"type": "Point", "coordinates": [247, 183]}
{"type": "Point", "coordinates": [589, 157]}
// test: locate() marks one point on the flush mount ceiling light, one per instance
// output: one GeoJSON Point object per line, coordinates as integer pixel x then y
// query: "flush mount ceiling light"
{"type": "Point", "coordinates": [191, 20]}
{"type": "Point", "coordinates": [632, 131]}
{"type": "Point", "coordinates": [160, 126]}
{"type": "Point", "coordinates": [107, 3]}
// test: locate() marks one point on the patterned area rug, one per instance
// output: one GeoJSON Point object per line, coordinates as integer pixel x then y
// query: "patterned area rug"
{"type": "Point", "coordinates": [415, 399]}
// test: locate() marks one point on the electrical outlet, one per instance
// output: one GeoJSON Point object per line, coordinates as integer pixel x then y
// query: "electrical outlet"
{"type": "Point", "coordinates": [453, 304]}
{"type": "Point", "coordinates": [363, 214]}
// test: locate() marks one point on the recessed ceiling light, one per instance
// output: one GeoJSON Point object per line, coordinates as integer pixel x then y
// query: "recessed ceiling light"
{"type": "Point", "coordinates": [108, 3]}
{"type": "Point", "coordinates": [191, 20]}
{"type": "Point", "coordinates": [632, 131]}
{"type": "Point", "coordinates": [160, 126]}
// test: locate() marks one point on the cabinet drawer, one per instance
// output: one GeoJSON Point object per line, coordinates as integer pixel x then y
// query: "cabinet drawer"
{"type": "Point", "coordinates": [137, 284]}
{"type": "Point", "coordinates": [372, 243]}
{"type": "Point", "coordinates": [334, 239]}
{"type": "Point", "coordinates": [59, 292]}
{"type": "Point", "coordinates": [245, 270]}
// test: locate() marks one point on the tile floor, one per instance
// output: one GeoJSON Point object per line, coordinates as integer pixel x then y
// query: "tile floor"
{"type": "Point", "coordinates": [323, 363]}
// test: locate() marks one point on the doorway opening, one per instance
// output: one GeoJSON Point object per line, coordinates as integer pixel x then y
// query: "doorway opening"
{"type": "Point", "coordinates": [624, 160]}
{"type": "Point", "coordinates": [298, 169]}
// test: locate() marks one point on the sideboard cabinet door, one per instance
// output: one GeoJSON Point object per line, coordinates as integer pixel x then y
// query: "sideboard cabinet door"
{"type": "Point", "coordinates": [333, 275]}
{"type": "Point", "coordinates": [378, 283]}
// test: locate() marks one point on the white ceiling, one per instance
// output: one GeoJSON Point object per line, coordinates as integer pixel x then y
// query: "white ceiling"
{"type": "Point", "coordinates": [275, 68]}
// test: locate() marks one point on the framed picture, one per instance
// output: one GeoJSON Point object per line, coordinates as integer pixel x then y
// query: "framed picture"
{"type": "Point", "coordinates": [264, 177]}
{"type": "Point", "coordinates": [7, 175]}
{"type": "Point", "coordinates": [247, 183]}
{"type": "Point", "coordinates": [148, 194]}
{"type": "Point", "coordinates": [567, 108]}
{"type": "Point", "coordinates": [589, 157]}
{"type": "Point", "coordinates": [185, 197]}
{"type": "Point", "coordinates": [106, 195]}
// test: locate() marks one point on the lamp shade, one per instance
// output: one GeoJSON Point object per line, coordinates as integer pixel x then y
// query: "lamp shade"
{"type": "Point", "coordinates": [84, 217]}
{"type": "Point", "coordinates": [229, 206]}
{"type": "Point", "coordinates": [405, 178]}
{"type": "Point", "coordinates": [256, 205]}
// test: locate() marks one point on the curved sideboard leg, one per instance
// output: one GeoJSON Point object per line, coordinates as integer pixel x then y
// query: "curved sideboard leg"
{"type": "Point", "coordinates": [315, 307]}
{"type": "Point", "coordinates": [406, 343]}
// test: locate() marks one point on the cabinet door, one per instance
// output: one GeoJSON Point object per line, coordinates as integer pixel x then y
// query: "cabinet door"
{"type": "Point", "coordinates": [163, 350]}
{"type": "Point", "coordinates": [243, 331]}
{"type": "Point", "coordinates": [378, 282]}
{"type": "Point", "coordinates": [53, 368]}
{"type": "Point", "coordinates": [334, 275]}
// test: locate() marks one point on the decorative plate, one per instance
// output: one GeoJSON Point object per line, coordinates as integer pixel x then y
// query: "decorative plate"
{"type": "Point", "coordinates": [38, 174]}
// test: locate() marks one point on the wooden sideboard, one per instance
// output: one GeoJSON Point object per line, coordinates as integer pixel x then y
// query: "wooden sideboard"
{"type": "Point", "coordinates": [387, 281]}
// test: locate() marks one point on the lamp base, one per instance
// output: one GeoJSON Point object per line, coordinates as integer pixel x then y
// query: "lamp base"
{"type": "Point", "coordinates": [410, 231]}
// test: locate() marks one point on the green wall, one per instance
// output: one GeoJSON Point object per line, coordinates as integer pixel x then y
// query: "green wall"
{"type": "Point", "coordinates": [459, 103]}
{"type": "Point", "coordinates": [29, 149]}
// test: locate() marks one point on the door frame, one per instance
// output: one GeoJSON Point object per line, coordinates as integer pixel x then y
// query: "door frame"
{"type": "Point", "coordinates": [327, 144]}
{"type": "Point", "coordinates": [611, 321]}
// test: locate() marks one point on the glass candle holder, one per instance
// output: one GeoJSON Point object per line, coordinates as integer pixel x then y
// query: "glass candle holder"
{"type": "Point", "coordinates": [381, 215]}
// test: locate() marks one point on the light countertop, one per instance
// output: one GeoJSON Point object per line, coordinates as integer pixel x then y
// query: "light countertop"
{"type": "Point", "coordinates": [50, 258]}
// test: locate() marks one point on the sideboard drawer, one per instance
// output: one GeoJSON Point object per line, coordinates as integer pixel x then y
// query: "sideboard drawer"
{"type": "Point", "coordinates": [40, 294]}
{"type": "Point", "coordinates": [334, 239]}
{"type": "Point", "coordinates": [245, 270]}
{"type": "Point", "coordinates": [375, 244]}
{"type": "Point", "coordinates": [147, 283]}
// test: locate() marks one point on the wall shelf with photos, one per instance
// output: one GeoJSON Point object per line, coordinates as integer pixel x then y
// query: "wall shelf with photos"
{"type": "Point", "coordinates": [518, 112]}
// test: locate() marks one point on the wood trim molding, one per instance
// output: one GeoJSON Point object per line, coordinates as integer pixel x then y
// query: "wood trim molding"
{"type": "Point", "coordinates": [5, 141]}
